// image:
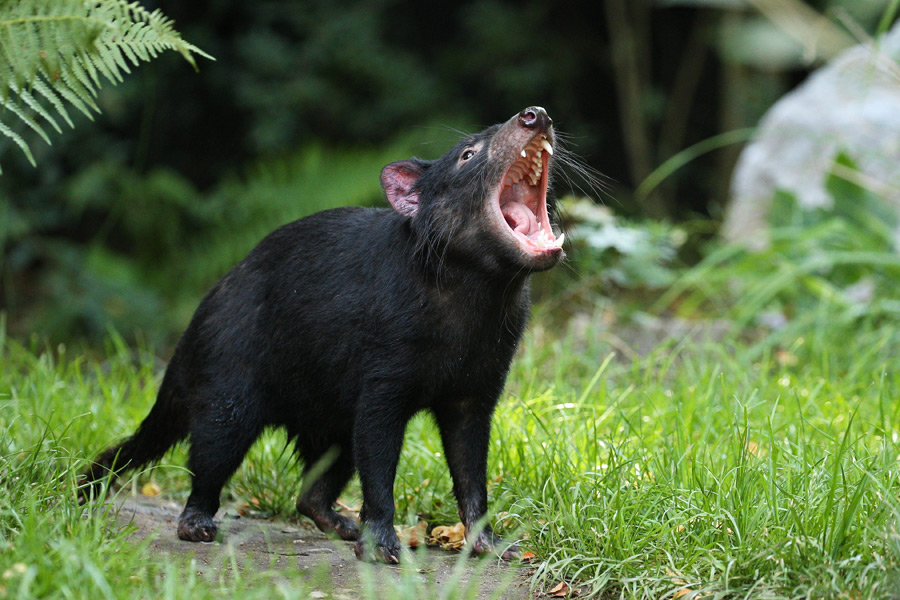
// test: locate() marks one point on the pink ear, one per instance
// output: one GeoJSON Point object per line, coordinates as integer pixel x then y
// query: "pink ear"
{"type": "Point", "coordinates": [398, 180]}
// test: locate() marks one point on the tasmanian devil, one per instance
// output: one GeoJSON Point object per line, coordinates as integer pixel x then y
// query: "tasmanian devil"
{"type": "Point", "coordinates": [341, 326]}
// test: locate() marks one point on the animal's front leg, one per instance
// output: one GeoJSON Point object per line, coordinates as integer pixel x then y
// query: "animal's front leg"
{"type": "Point", "coordinates": [377, 439]}
{"type": "Point", "coordinates": [465, 431]}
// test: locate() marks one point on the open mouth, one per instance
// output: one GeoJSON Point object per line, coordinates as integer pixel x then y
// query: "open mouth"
{"type": "Point", "coordinates": [522, 199]}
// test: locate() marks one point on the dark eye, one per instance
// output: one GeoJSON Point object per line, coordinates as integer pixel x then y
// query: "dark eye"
{"type": "Point", "coordinates": [467, 154]}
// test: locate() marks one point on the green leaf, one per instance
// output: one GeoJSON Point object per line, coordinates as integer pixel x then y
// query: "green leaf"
{"type": "Point", "coordinates": [58, 51]}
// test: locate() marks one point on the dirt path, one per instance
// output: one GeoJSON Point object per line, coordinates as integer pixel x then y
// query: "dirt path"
{"type": "Point", "coordinates": [282, 545]}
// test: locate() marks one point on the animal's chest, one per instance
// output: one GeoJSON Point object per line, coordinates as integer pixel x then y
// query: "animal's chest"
{"type": "Point", "coordinates": [469, 352]}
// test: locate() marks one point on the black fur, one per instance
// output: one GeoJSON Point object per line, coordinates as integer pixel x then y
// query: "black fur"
{"type": "Point", "coordinates": [340, 327]}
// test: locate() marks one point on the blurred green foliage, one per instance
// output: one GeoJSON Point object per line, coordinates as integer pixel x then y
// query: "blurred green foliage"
{"type": "Point", "coordinates": [620, 254]}
{"type": "Point", "coordinates": [146, 262]}
{"type": "Point", "coordinates": [130, 219]}
{"type": "Point", "coordinates": [841, 261]}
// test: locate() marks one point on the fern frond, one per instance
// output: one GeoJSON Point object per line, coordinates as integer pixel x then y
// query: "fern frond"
{"type": "Point", "coordinates": [18, 111]}
{"type": "Point", "coordinates": [17, 140]}
{"type": "Point", "coordinates": [58, 52]}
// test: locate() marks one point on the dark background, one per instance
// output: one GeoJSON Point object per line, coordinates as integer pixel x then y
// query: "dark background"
{"type": "Point", "coordinates": [127, 220]}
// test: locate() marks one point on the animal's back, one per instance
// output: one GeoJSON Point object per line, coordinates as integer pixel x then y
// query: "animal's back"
{"type": "Point", "coordinates": [290, 318]}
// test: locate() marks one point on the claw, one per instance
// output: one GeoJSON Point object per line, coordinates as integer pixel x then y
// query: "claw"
{"type": "Point", "coordinates": [196, 526]}
{"type": "Point", "coordinates": [381, 553]}
{"type": "Point", "coordinates": [488, 542]}
{"type": "Point", "coordinates": [512, 553]}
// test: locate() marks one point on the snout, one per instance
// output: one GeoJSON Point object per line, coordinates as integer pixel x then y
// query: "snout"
{"type": "Point", "coordinates": [535, 117]}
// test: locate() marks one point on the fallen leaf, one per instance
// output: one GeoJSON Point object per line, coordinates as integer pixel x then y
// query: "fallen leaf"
{"type": "Point", "coordinates": [413, 536]}
{"type": "Point", "coordinates": [677, 580]}
{"type": "Point", "coordinates": [503, 518]}
{"type": "Point", "coordinates": [448, 538]}
{"type": "Point", "coordinates": [347, 510]}
{"type": "Point", "coordinates": [560, 591]}
{"type": "Point", "coordinates": [682, 592]}
{"type": "Point", "coordinates": [347, 507]}
{"type": "Point", "coordinates": [151, 489]}
{"type": "Point", "coordinates": [528, 556]}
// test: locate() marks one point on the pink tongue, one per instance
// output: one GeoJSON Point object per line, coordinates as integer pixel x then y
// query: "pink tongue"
{"type": "Point", "coordinates": [519, 217]}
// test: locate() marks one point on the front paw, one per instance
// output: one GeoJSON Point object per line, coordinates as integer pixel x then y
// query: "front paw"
{"type": "Point", "coordinates": [384, 548]}
{"type": "Point", "coordinates": [196, 526]}
{"type": "Point", "coordinates": [487, 542]}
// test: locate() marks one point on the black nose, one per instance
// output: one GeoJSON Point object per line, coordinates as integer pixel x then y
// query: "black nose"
{"type": "Point", "coordinates": [535, 117]}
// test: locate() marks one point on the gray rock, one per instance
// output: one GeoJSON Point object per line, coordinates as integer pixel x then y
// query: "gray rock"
{"type": "Point", "coordinates": [851, 105]}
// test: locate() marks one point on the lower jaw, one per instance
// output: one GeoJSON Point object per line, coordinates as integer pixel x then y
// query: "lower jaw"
{"type": "Point", "coordinates": [539, 260]}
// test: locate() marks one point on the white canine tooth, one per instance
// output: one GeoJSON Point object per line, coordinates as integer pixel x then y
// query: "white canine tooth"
{"type": "Point", "coordinates": [560, 239]}
{"type": "Point", "coordinates": [523, 154]}
{"type": "Point", "coordinates": [546, 146]}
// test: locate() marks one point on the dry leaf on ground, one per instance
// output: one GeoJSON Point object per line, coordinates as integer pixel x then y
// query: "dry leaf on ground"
{"type": "Point", "coordinates": [345, 506]}
{"type": "Point", "coordinates": [151, 489]}
{"type": "Point", "coordinates": [413, 536]}
{"type": "Point", "coordinates": [678, 580]}
{"type": "Point", "coordinates": [562, 590]}
{"type": "Point", "coordinates": [350, 511]}
{"type": "Point", "coordinates": [448, 538]}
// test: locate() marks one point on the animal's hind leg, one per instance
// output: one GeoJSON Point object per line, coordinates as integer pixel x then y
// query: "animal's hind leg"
{"type": "Point", "coordinates": [218, 446]}
{"type": "Point", "coordinates": [318, 500]}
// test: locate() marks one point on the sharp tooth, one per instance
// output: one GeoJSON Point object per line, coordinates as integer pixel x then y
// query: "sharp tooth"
{"type": "Point", "coordinates": [561, 239]}
{"type": "Point", "coordinates": [546, 146]}
{"type": "Point", "coordinates": [523, 154]}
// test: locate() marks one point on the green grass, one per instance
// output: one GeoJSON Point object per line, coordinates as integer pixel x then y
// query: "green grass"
{"type": "Point", "coordinates": [743, 468]}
